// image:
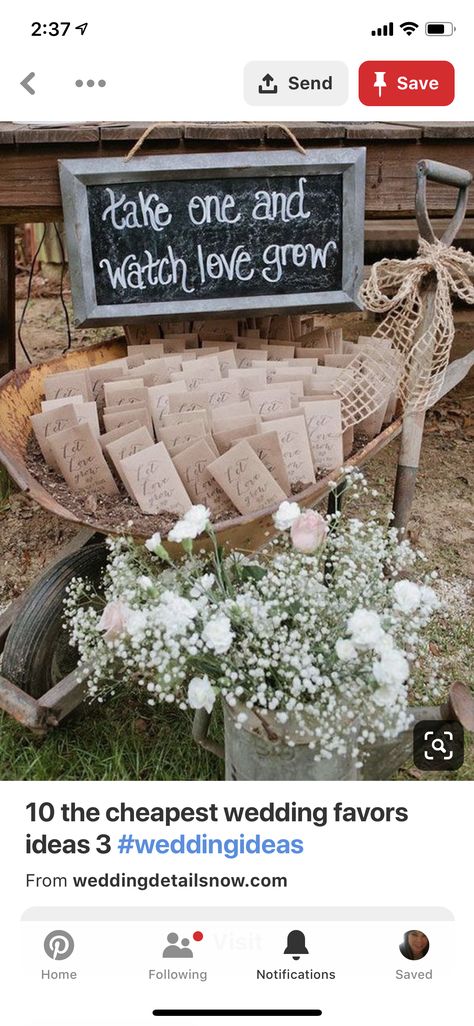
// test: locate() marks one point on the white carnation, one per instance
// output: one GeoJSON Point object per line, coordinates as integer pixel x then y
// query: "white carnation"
{"type": "Point", "coordinates": [207, 581]}
{"type": "Point", "coordinates": [203, 585]}
{"type": "Point", "coordinates": [180, 532]}
{"type": "Point", "coordinates": [193, 523]}
{"type": "Point", "coordinates": [201, 694]}
{"type": "Point", "coordinates": [429, 600]}
{"type": "Point", "coordinates": [345, 650]}
{"type": "Point", "coordinates": [384, 644]}
{"type": "Point", "coordinates": [144, 582]}
{"type": "Point", "coordinates": [286, 515]}
{"type": "Point", "coordinates": [365, 628]}
{"type": "Point", "coordinates": [136, 622]}
{"type": "Point", "coordinates": [153, 543]}
{"type": "Point", "coordinates": [392, 669]}
{"type": "Point", "coordinates": [199, 516]}
{"type": "Point", "coordinates": [406, 595]}
{"type": "Point", "coordinates": [175, 613]}
{"type": "Point", "coordinates": [384, 696]}
{"type": "Point", "coordinates": [218, 634]}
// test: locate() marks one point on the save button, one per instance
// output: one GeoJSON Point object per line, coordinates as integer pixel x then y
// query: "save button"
{"type": "Point", "coordinates": [406, 83]}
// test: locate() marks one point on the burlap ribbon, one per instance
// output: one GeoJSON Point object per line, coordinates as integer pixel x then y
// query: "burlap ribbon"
{"type": "Point", "coordinates": [419, 315]}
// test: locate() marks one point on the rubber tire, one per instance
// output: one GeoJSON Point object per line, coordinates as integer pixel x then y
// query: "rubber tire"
{"type": "Point", "coordinates": [37, 653]}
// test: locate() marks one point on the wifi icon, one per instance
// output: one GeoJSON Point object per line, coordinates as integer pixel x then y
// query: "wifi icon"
{"type": "Point", "coordinates": [409, 27]}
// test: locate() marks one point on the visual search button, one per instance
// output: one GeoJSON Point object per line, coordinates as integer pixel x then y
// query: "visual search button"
{"type": "Point", "coordinates": [438, 745]}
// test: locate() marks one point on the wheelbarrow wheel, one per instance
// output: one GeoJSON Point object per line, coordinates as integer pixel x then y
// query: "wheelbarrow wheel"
{"type": "Point", "coordinates": [37, 652]}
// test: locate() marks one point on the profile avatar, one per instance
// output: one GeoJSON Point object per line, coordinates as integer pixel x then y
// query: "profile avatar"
{"type": "Point", "coordinates": [415, 945]}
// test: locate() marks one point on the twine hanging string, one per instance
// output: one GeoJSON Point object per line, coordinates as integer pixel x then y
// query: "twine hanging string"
{"type": "Point", "coordinates": [292, 137]}
{"type": "Point", "coordinates": [397, 289]}
{"type": "Point", "coordinates": [139, 143]}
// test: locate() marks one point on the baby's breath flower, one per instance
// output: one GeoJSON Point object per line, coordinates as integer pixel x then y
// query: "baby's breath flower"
{"type": "Point", "coordinates": [320, 643]}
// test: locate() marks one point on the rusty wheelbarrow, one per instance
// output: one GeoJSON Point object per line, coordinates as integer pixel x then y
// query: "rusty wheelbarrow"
{"type": "Point", "coordinates": [38, 685]}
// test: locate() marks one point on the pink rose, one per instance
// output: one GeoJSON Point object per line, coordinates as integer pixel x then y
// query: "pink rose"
{"type": "Point", "coordinates": [114, 619]}
{"type": "Point", "coordinates": [308, 532]}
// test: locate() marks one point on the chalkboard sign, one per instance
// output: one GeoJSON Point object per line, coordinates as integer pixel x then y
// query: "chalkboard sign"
{"type": "Point", "coordinates": [193, 235]}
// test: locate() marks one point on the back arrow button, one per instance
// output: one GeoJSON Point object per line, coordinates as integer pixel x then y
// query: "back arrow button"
{"type": "Point", "coordinates": [26, 83]}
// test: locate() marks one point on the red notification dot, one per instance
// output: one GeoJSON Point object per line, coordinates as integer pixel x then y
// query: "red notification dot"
{"type": "Point", "coordinates": [198, 936]}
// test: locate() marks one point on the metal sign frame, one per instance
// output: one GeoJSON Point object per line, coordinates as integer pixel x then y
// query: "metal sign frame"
{"type": "Point", "coordinates": [76, 175]}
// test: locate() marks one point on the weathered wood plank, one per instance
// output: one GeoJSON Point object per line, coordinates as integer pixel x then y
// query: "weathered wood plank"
{"type": "Point", "coordinates": [7, 298]}
{"type": "Point", "coordinates": [387, 131]}
{"type": "Point", "coordinates": [54, 134]}
{"type": "Point", "coordinates": [306, 131]}
{"type": "Point", "coordinates": [7, 134]}
{"type": "Point", "coordinates": [21, 706]}
{"type": "Point", "coordinates": [59, 701]}
{"type": "Point", "coordinates": [131, 131]}
{"type": "Point", "coordinates": [446, 129]}
{"type": "Point", "coordinates": [30, 215]}
{"type": "Point", "coordinates": [406, 229]}
{"type": "Point", "coordinates": [225, 131]}
{"type": "Point", "coordinates": [456, 372]}
{"type": "Point", "coordinates": [29, 178]}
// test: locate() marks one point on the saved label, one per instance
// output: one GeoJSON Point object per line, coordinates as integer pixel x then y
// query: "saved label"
{"type": "Point", "coordinates": [406, 83]}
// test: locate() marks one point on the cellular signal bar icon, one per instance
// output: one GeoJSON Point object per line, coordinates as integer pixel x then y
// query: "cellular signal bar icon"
{"type": "Point", "coordinates": [385, 30]}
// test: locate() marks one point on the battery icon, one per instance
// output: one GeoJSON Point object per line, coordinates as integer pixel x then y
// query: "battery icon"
{"type": "Point", "coordinates": [439, 28]}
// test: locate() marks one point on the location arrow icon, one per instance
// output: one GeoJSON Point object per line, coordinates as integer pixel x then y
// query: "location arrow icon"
{"type": "Point", "coordinates": [26, 83]}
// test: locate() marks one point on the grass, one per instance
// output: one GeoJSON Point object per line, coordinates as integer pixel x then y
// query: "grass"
{"type": "Point", "coordinates": [451, 640]}
{"type": "Point", "coordinates": [107, 743]}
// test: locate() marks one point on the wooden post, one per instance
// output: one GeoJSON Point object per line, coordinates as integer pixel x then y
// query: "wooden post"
{"type": "Point", "coordinates": [408, 462]}
{"type": "Point", "coordinates": [7, 298]}
{"type": "Point", "coordinates": [412, 429]}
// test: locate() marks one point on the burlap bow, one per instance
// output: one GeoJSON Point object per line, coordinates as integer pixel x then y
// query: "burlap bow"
{"type": "Point", "coordinates": [419, 318]}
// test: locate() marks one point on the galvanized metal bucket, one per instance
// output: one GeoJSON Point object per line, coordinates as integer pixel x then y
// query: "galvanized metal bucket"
{"type": "Point", "coordinates": [250, 754]}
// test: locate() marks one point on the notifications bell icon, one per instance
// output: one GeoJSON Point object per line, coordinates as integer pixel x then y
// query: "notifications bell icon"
{"type": "Point", "coordinates": [296, 944]}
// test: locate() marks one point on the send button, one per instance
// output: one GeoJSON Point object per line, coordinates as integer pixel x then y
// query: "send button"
{"type": "Point", "coordinates": [315, 84]}
{"type": "Point", "coordinates": [296, 83]}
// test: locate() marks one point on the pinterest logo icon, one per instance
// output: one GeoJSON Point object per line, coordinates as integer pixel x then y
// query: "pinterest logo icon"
{"type": "Point", "coordinates": [59, 945]}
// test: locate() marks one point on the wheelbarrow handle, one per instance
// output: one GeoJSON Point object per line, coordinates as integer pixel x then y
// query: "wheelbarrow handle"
{"type": "Point", "coordinates": [444, 174]}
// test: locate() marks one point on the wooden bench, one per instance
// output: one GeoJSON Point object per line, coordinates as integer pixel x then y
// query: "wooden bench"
{"type": "Point", "coordinates": [29, 186]}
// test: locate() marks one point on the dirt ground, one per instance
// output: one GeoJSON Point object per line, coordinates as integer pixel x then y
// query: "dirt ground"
{"type": "Point", "coordinates": [442, 521]}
